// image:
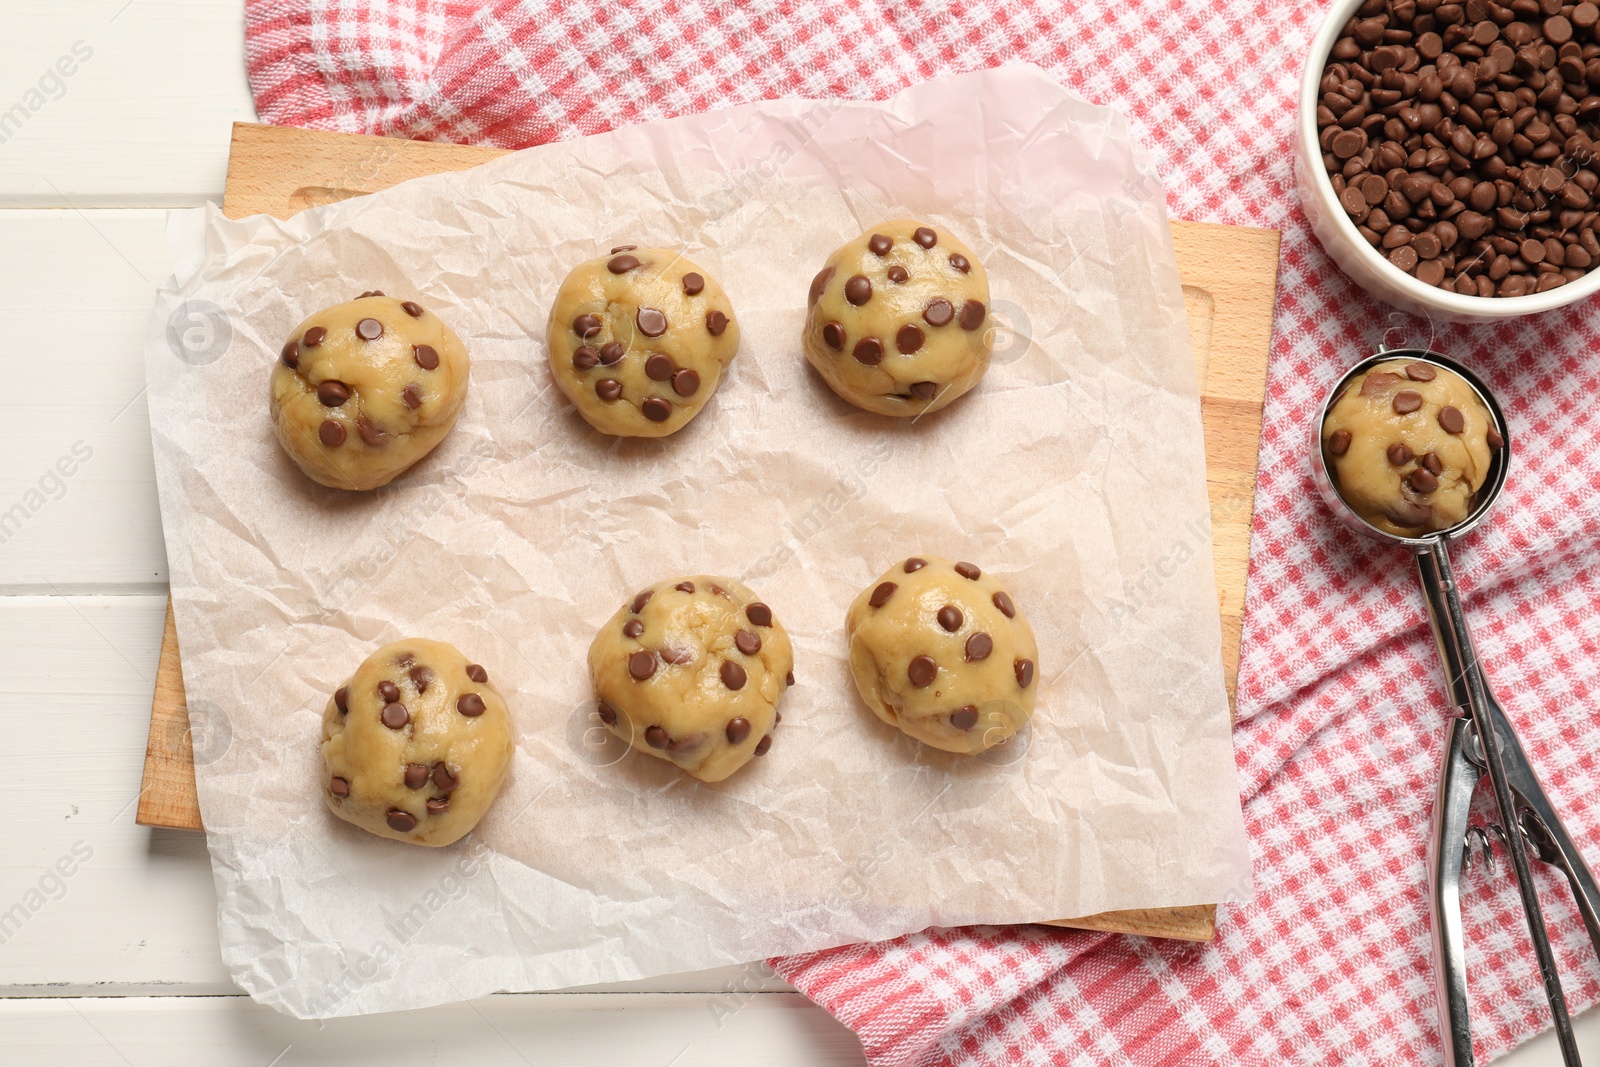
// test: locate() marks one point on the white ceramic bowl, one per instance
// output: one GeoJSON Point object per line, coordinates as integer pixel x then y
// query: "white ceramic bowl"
{"type": "Point", "coordinates": [1361, 261]}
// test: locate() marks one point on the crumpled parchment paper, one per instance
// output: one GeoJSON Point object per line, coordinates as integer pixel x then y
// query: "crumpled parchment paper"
{"type": "Point", "coordinates": [1074, 472]}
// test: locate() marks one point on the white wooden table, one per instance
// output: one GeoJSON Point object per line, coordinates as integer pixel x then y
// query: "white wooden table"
{"type": "Point", "coordinates": [117, 962]}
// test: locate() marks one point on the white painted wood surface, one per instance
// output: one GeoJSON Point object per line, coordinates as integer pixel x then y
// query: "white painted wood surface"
{"type": "Point", "coordinates": [118, 963]}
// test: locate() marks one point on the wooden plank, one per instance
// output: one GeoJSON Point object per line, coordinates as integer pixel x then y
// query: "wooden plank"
{"type": "Point", "coordinates": [721, 1029]}
{"type": "Point", "coordinates": [1229, 276]}
{"type": "Point", "coordinates": [142, 117]}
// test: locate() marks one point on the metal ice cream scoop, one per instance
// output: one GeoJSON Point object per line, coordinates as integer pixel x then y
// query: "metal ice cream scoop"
{"type": "Point", "coordinates": [1480, 743]}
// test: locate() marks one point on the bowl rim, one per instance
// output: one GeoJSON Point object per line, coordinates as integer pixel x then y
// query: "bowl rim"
{"type": "Point", "coordinates": [1415, 290]}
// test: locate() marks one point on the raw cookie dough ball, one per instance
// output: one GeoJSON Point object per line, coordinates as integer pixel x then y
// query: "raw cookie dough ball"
{"type": "Point", "coordinates": [898, 320]}
{"type": "Point", "coordinates": [941, 651]}
{"type": "Point", "coordinates": [363, 390]}
{"type": "Point", "coordinates": [639, 340]}
{"type": "Point", "coordinates": [691, 670]}
{"type": "Point", "coordinates": [416, 744]}
{"type": "Point", "coordinates": [1408, 445]}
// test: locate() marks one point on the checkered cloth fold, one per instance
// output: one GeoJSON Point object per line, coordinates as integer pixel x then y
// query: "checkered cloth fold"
{"type": "Point", "coordinates": [1340, 713]}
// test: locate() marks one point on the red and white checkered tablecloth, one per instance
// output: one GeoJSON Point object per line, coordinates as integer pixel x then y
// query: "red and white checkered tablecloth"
{"type": "Point", "coordinates": [1339, 707]}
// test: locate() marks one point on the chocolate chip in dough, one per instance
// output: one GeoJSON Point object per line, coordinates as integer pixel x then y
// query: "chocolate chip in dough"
{"type": "Point", "coordinates": [369, 329]}
{"type": "Point", "coordinates": [622, 264]}
{"type": "Point", "coordinates": [412, 395]}
{"type": "Point", "coordinates": [1423, 480]}
{"type": "Point", "coordinates": [733, 675]}
{"type": "Point", "coordinates": [1376, 382]}
{"type": "Point", "coordinates": [833, 335]}
{"type": "Point", "coordinates": [879, 244]}
{"type": "Point", "coordinates": [402, 821]}
{"type": "Point", "coordinates": [747, 641]}
{"type": "Point", "coordinates": [693, 284]}
{"type": "Point", "coordinates": [641, 665]}
{"type": "Point", "coordinates": [607, 713]}
{"type": "Point", "coordinates": [678, 657]}
{"type": "Point", "coordinates": [684, 587]}
{"type": "Point", "coordinates": [623, 248]}
{"type": "Point", "coordinates": [427, 356]}
{"type": "Point", "coordinates": [339, 787]}
{"type": "Point", "coordinates": [938, 312]}
{"type": "Point", "coordinates": [341, 699]}
{"type": "Point", "coordinates": [968, 571]}
{"type": "Point", "coordinates": [332, 394]}
{"type": "Point", "coordinates": [1399, 454]}
{"type": "Point", "coordinates": [395, 716]}
{"type": "Point", "coordinates": [411, 308]}
{"type": "Point", "coordinates": [416, 776]}
{"type": "Point", "coordinates": [656, 409]}
{"type": "Point", "coordinates": [1406, 401]}
{"type": "Point", "coordinates": [738, 729]}
{"type": "Point", "coordinates": [470, 704]}
{"type": "Point", "coordinates": [585, 358]}
{"type": "Point", "coordinates": [1433, 463]}
{"type": "Point", "coordinates": [652, 323]}
{"type": "Point", "coordinates": [763, 745]}
{"type": "Point", "coordinates": [950, 618]}
{"type": "Point", "coordinates": [388, 692]}
{"type": "Point", "coordinates": [331, 433]}
{"type": "Point", "coordinates": [477, 673]}
{"type": "Point", "coordinates": [868, 351]}
{"type": "Point", "coordinates": [914, 564]}
{"type": "Point", "coordinates": [880, 595]}
{"type": "Point", "coordinates": [1024, 672]}
{"type": "Point", "coordinates": [716, 323]}
{"type": "Point", "coordinates": [656, 737]}
{"type": "Point", "coordinates": [608, 389]}
{"type": "Point", "coordinates": [314, 337]}
{"type": "Point", "coordinates": [420, 677]}
{"type": "Point", "coordinates": [445, 778]}
{"type": "Point", "coordinates": [370, 433]}
{"type": "Point", "coordinates": [858, 290]}
{"type": "Point", "coordinates": [964, 718]}
{"type": "Point", "coordinates": [641, 600]}
{"type": "Point", "coordinates": [898, 274]}
{"type": "Point", "coordinates": [925, 237]}
{"type": "Point", "coordinates": [972, 313]}
{"type": "Point", "coordinates": [633, 628]}
{"type": "Point", "coordinates": [1421, 372]}
{"type": "Point", "coordinates": [437, 804]}
{"type": "Point", "coordinates": [818, 284]}
{"type": "Point", "coordinates": [612, 352]}
{"type": "Point", "coordinates": [1451, 419]}
{"type": "Point", "coordinates": [1495, 439]}
{"type": "Point", "coordinates": [1002, 600]}
{"type": "Point", "coordinates": [686, 382]}
{"type": "Point", "coordinates": [1339, 442]}
{"type": "Point", "coordinates": [291, 353]}
{"type": "Point", "coordinates": [922, 671]}
{"type": "Point", "coordinates": [658, 368]}
{"type": "Point", "coordinates": [759, 614]}
{"type": "Point", "coordinates": [959, 262]}
{"type": "Point", "coordinates": [909, 338]}
{"type": "Point", "coordinates": [978, 647]}
{"type": "Point", "coordinates": [924, 390]}
{"type": "Point", "coordinates": [788, 679]}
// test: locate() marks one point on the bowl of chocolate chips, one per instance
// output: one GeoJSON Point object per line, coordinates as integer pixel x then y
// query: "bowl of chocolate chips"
{"type": "Point", "coordinates": [1448, 156]}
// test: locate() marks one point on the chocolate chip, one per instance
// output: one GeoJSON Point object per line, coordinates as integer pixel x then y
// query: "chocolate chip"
{"type": "Point", "coordinates": [684, 587]}
{"type": "Point", "coordinates": [1376, 382]}
{"type": "Point", "coordinates": [623, 248]}
{"type": "Point", "coordinates": [764, 744]}
{"type": "Point", "coordinates": [404, 660]}
{"type": "Point", "coordinates": [445, 778]}
{"type": "Point", "coordinates": [411, 308]}
{"type": "Point", "coordinates": [426, 356]}
{"type": "Point", "coordinates": [370, 433]}
{"type": "Point", "coordinates": [332, 393]}
{"type": "Point", "coordinates": [968, 571]}
{"type": "Point", "coordinates": [622, 264]}
{"type": "Point", "coordinates": [586, 326]}
{"type": "Point", "coordinates": [339, 787]}
{"type": "Point", "coordinates": [1433, 463]}
{"type": "Point", "coordinates": [331, 433]}
{"type": "Point", "coordinates": [909, 338]}
{"type": "Point", "coordinates": [964, 718]}
{"type": "Point", "coordinates": [880, 595]}
{"type": "Point", "coordinates": [416, 776]}
{"type": "Point", "coordinates": [632, 628]}
{"type": "Point", "coordinates": [477, 673]}
{"type": "Point", "coordinates": [656, 737]}
{"type": "Point", "coordinates": [925, 237]}
{"type": "Point", "coordinates": [924, 390]}
{"type": "Point", "coordinates": [869, 351]}
{"type": "Point", "coordinates": [738, 729]}
{"type": "Point", "coordinates": [1423, 480]}
{"type": "Point", "coordinates": [733, 675]}
{"type": "Point", "coordinates": [420, 677]}
{"type": "Point", "coordinates": [1451, 419]}
{"type": "Point", "coordinates": [938, 312]}
{"type": "Point", "coordinates": [612, 352]}
{"type": "Point", "coordinates": [314, 337]}
{"type": "Point", "coordinates": [656, 409]}
{"type": "Point", "coordinates": [585, 358]}
{"type": "Point", "coordinates": [403, 821]}
{"type": "Point", "coordinates": [608, 389]}
{"type": "Point", "coordinates": [341, 699]}
{"type": "Point", "coordinates": [1494, 438]}
{"type": "Point", "coordinates": [1024, 672]}
{"type": "Point", "coordinates": [1002, 600]}
{"type": "Point", "coordinates": [388, 692]}
{"type": "Point", "coordinates": [922, 670]}
{"type": "Point", "coordinates": [437, 804]}
{"type": "Point", "coordinates": [914, 564]}
{"type": "Point", "coordinates": [395, 716]}
{"type": "Point", "coordinates": [291, 353]}
{"type": "Point", "coordinates": [898, 274]}
{"type": "Point", "coordinates": [641, 665]}
{"type": "Point", "coordinates": [1399, 454]}
{"type": "Point", "coordinates": [788, 679]}
{"type": "Point", "coordinates": [978, 647]}
{"type": "Point", "coordinates": [678, 657]}
{"type": "Point", "coordinates": [412, 395]}
{"type": "Point", "coordinates": [470, 704]}
{"type": "Point", "coordinates": [686, 382]}
{"type": "Point", "coordinates": [1421, 372]}
{"type": "Point", "coordinates": [972, 313]}
{"type": "Point", "coordinates": [1406, 401]}
{"type": "Point", "coordinates": [858, 290]}
{"type": "Point", "coordinates": [652, 323]}
{"type": "Point", "coordinates": [369, 329]}
{"type": "Point", "coordinates": [716, 322]}
{"type": "Point", "coordinates": [879, 244]}
{"type": "Point", "coordinates": [748, 642]}
{"type": "Point", "coordinates": [833, 335]}
{"type": "Point", "coordinates": [1339, 442]}
{"type": "Point", "coordinates": [693, 284]}
{"type": "Point", "coordinates": [370, 292]}
{"type": "Point", "coordinates": [607, 713]}
{"type": "Point", "coordinates": [658, 368]}
{"type": "Point", "coordinates": [759, 614]}
{"type": "Point", "coordinates": [818, 284]}
{"type": "Point", "coordinates": [950, 618]}
{"type": "Point", "coordinates": [641, 600]}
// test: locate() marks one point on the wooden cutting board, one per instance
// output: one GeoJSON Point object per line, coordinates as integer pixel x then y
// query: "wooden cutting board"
{"type": "Point", "coordinates": [1229, 276]}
